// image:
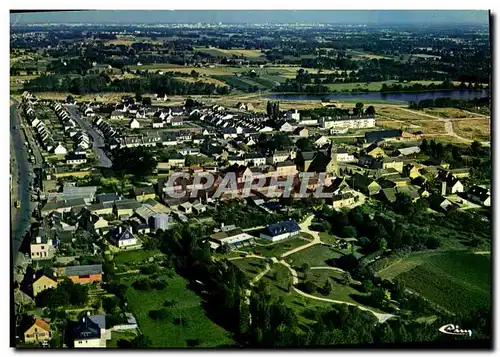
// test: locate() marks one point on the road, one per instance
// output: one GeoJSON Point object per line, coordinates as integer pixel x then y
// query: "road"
{"type": "Point", "coordinates": [98, 143]}
{"type": "Point", "coordinates": [21, 217]}
{"type": "Point", "coordinates": [304, 227]}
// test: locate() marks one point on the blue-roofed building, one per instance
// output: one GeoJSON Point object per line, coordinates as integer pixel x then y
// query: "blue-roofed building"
{"type": "Point", "coordinates": [280, 231]}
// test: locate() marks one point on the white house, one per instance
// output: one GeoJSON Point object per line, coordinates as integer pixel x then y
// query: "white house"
{"type": "Point", "coordinates": [60, 149]}
{"type": "Point", "coordinates": [344, 156]}
{"type": "Point", "coordinates": [134, 124]}
{"type": "Point", "coordinates": [280, 231]}
{"type": "Point", "coordinates": [347, 122]}
{"type": "Point", "coordinates": [122, 237]}
{"type": "Point", "coordinates": [287, 127]}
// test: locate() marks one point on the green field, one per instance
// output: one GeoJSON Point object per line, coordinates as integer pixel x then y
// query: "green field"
{"type": "Point", "coordinates": [276, 250]}
{"type": "Point", "coordinates": [317, 255]}
{"type": "Point", "coordinates": [187, 305]}
{"type": "Point", "coordinates": [457, 281]}
{"type": "Point", "coordinates": [134, 256]}
{"type": "Point", "coordinates": [339, 292]}
{"type": "Point", "coordinates": [250, 266]}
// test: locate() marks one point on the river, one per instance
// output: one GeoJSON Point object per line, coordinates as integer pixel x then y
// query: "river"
{"type": "Point", "coordinates": [379, 96]}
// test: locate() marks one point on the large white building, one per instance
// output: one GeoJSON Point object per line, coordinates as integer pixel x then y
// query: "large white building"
{"type": "Point", "coordinates": [280, 231]}
{"type": "Point", "coordinates": [348, 122]}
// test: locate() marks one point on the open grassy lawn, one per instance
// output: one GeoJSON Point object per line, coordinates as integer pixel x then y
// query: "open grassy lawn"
{"type": "Point", "coordinates": [317, 255]}
{"type": "Point", "coordinates": [341, 292]}
{"type": "Point", "coordinates": [457, 280]}
{"type": "Point", "coordinates": [474, 129]}
{"type": "Point", "coordinates": [250, 266]}
{"type": "Point", "coordinates": [277, 249]}
{"type": "Point", "coordinates": [134, 256]}
{"type": "Point", "coordinates": [187, 306]}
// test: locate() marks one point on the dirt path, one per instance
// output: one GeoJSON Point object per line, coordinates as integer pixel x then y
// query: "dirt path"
{"type": "Point", "coordinates": [260, 275]}
{"type": "Point", "coordinates": [304, 226]}
{"type": "Point", "coordinates": [448, 124]}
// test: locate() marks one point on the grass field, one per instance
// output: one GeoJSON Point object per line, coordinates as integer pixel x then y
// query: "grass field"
{"type": "Point", "coordinates": [427, 126]}
{"type": "Point", "coordinates": [397, 114]}
{"type": "Point", "coordinates": [186, 306]}
{"type": "Point", "coordinates": [317, 255]}
{"type": "Point", "coordinates": [209, 80]}
{"type": "Point", "coordinates": [276, 250]}
{"type": "Point", "coordinates": [438, 276]}
{"type": "Point", "coordinates": [250, 266]}
{"type": "Point", "coordinates": [474, 129]}
{"type": "Point", "coordinates": [134, 256]}
{"type": "Point", "coordinates": [448, 113]}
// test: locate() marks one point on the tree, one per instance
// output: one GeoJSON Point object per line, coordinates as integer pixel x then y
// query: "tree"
{"type": "Point", "coordinates": [327, 288]}
{"type": "Point", "coordinates": [110, 304]}
{"type": "Point", "coordinates": [269, 109]}
{"type": "Point", "coordinates": [367, 285]}
{"type": "Point", "coordinates": [346, 278]}
{"type": "Point", "coordinates": [70, 99]}
{"type": "Point", "coordinates": [424, 146]}
{"type": "Point", "coordinates": [146, 101]}
{"type": "Point", "coordinates": [370, 111]}
{"type": "Point", "coordinates": [141, 342]}
{"type": "Point", "coordinates": [358, 109]}
{"type": "Point", "coordinates": [244, 316]}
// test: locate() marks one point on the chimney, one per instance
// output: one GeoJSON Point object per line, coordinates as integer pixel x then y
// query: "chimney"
{"type": "Point", "coordinates": [443, 188]}
{"type": "Point", "coordinates": [38, 240]}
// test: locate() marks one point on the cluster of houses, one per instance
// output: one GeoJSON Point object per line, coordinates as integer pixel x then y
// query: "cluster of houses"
{"type": "Point", "coordinates": [43, 134]}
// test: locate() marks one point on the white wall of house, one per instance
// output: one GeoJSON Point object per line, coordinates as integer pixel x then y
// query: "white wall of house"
{"type": "Point", "coordinates": [127, 242]}
{"type": "Point", "coordinates": [278, 237]}
{"type": "Point", "coordinates": [91, 343]}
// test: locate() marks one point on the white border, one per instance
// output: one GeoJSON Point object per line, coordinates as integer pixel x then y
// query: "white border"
{"type": "Point", "coordinates": [196, 4]}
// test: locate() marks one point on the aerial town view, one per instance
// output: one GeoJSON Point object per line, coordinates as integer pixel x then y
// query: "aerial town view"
{"type": "Point", "coordinates": [250, 179]}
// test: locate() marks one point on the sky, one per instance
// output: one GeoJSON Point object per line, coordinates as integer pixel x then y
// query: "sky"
{"type": "Point", "coordinates": [256, 16]}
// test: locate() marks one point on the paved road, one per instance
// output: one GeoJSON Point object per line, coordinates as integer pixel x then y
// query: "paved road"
{"type": "Point", "coordinates": [98, 144]}
{"type": "Point", "coordinates": [21, 219]}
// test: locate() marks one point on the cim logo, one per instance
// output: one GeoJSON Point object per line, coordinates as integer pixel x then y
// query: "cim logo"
{"type": "Point", "coordinates": [451, 329]}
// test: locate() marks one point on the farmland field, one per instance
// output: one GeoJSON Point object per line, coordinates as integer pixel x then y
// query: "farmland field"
{"type": "Point", "coordinates": [439, 276]}
{"type": "Point", "coordinates": [427, 126]}
{"type": "Point", "coordinates": [187, 305]}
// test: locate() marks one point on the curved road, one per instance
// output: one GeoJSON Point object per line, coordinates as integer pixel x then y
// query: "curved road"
{"type": "Point", "coordinates": [21, 217]}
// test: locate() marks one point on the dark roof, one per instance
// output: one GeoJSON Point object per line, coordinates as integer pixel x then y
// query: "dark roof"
{"type": "Point", "coordinates": [121, 233]}
{"type": "Point", "coordinates": [83, 270]}
{"type": "Point", "coordinates": [86, 329]}
{"type": "Point", "coordinates": [288, 226]}
{"type": "Point", "coordinates": [480, 192]}
{"type": "Point", "coordinates": [308, 155]}
{"type": "Point", "coordinates": [107, 197]}
{"type": "Point", "coordinates": [285, 163]}
{"type": "Point", "coordinates": [146, 190]}
{"type": "Point", "coordinates": [382, 134]}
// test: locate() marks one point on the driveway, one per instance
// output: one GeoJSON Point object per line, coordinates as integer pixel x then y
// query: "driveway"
{"type": "Point", "coordinates": [304, 227]}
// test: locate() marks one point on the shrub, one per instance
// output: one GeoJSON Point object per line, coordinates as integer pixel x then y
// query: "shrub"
{"type": "Point", "coordinates": [161, 314]}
